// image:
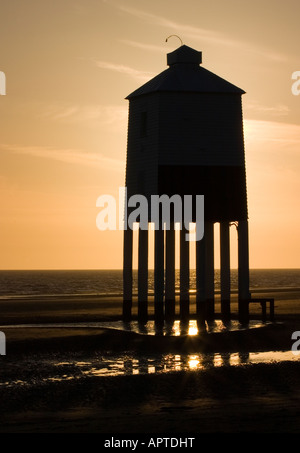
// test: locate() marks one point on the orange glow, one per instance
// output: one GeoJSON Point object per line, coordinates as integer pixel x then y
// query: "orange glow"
{"type": "Point", "coordinates": [68, 68]}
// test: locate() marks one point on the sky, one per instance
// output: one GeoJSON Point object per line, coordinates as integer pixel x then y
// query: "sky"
{"type": "Point", "coordinates": [69, 66]}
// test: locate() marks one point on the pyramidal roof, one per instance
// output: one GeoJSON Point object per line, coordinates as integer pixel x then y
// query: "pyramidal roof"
{"type": "Point", "coordinates": [186, 74]}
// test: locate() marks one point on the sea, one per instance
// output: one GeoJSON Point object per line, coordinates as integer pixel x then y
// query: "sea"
{"type": "Point", "coordinates": [34, 283]}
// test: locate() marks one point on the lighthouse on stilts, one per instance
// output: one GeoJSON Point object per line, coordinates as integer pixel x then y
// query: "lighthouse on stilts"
{"type": "Point", "coordinates": [185, 137]}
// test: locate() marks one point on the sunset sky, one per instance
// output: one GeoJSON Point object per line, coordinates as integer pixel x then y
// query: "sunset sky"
{"type": "Point", "coordinates": [69, 64]}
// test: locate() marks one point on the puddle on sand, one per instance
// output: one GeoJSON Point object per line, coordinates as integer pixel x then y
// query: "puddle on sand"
{"type": "Point", "coordinates": [179, 328]}
{"type": "Point", "coordinates": [63, 368]}
{"type": "Point", "coordinates": [55, 370]}
{"type": "Point", "coordinates": [150, 328]}
{"type": "Point", "coordinates": [164, 363]}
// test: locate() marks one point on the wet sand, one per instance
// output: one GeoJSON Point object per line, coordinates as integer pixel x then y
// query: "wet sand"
{"type": "Point", "coordinates": [245, 398]}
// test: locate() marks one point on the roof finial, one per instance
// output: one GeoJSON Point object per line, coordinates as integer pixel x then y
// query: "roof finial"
{"type": "Point", "coordinates": [176, 37]}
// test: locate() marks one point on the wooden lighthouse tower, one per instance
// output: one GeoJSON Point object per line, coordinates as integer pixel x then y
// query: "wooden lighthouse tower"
{"type": "Point", "coordinates": [185, 136]}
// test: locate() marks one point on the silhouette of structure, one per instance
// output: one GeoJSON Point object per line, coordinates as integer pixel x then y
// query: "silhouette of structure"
{"type": "Point", "coordinates": [185, 136]}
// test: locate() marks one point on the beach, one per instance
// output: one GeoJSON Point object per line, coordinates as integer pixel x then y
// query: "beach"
{"type": "Point", "coordinates": [44, 390]}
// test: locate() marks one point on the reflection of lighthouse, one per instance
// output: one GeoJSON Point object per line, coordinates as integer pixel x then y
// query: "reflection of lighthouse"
{"type": "Point", "coordinates": [185, 136]}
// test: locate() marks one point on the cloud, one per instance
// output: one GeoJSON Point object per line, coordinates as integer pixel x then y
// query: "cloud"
{"type": "Point", "coordinates": [68, 156]}
{"type": "Point", "coordinates": [273, 148]}
{"type": "Point", "coordinates": [187, 30]}
{"type": "Point", "coordinates": [66, 113]}
{"type": "Point", "coordinates": [92, 114]}
{"type": "Point", "coordinates": [143, 46]}
{"type": "Point", "coordinates": [275, 110]}
{"type": "Point", "coordinates": [273, 131]}
{"type": "Point", "coordinates": [273, 166]}
{"type": "Point", "coordinates": [200, 34]}
{"type": "Point", "coordinates": [127, 70]}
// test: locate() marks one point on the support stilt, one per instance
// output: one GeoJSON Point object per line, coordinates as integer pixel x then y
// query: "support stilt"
{"type": "Point", "coordinates": [210, 274]}
{"type": "Point", "coordinates": [170, 275]}
{"type": "Point", "coordinates": [127, 275]}
{"type": "Point", "coordinates": [243, 273]}
{"type": "Point", "coordinates": [143, 277]}
{"type": "Point", "coordinates": [184, 275]}
{"type": "Point", "coordinates": [200, 283]}
{"type": "Point", "coordinates": [159, 276]}
{"type": "Point", "coordinates": [225, 270]}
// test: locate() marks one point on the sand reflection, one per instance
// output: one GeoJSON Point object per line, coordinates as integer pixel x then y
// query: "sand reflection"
{"type": "Point", "coordinates": [166, 363]}
{"type": "Point", "coordinates": [179, 328]}
{"type": "Point", "coordinates": [55, 370]}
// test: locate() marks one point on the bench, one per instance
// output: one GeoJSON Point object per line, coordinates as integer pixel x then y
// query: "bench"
{"type": "Point", "coordinates": [263, 303]}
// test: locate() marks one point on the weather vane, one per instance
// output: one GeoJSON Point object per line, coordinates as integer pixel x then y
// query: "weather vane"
{"type": "Point", "coordinates": [176, 36]}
